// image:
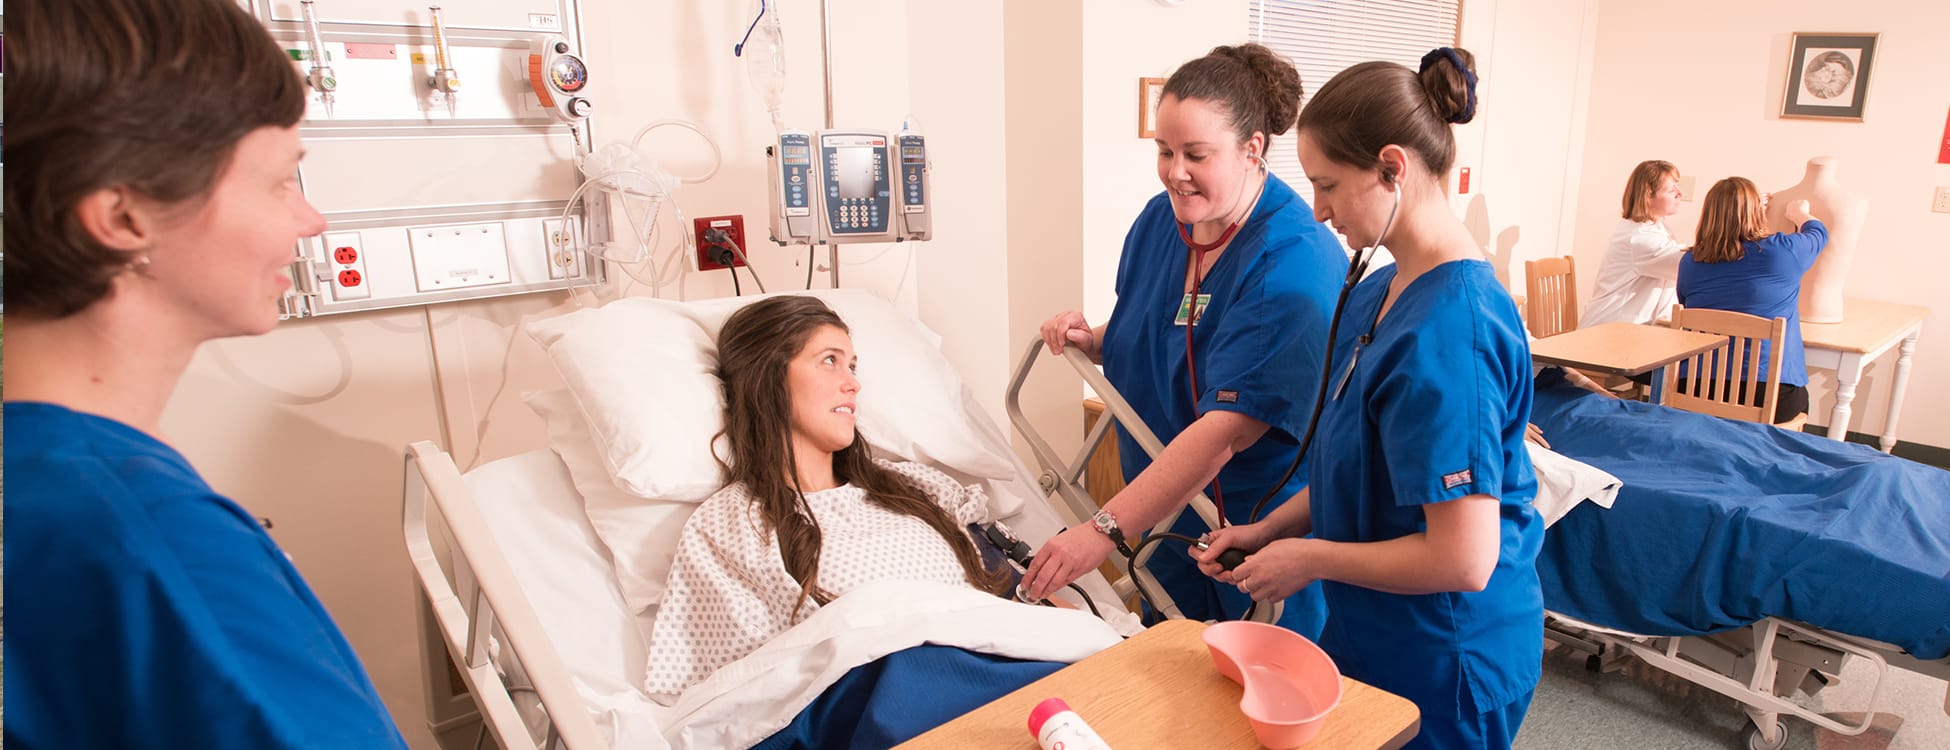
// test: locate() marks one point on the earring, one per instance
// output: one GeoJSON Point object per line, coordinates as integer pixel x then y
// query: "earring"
{"type": "Point", "coordinates": [137, 266]}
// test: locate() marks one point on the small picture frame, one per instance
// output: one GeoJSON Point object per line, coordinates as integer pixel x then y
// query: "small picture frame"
{"type": "Point", "coordinates": [1149, 91]}
{"type": "Point", "coordinates": [1828, 76]}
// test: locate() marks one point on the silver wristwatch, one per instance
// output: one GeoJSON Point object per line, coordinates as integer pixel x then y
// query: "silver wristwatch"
{"type": "Point", "coordinates": [1105, 522]}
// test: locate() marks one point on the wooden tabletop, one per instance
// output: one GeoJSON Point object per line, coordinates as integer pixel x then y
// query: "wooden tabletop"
{"type": "Point", "coordinates": [1867, 325]}
{"type": "Point", "coordinates": [1159, 689]}
{"type": "Point", "coordinates": [1621, 348]}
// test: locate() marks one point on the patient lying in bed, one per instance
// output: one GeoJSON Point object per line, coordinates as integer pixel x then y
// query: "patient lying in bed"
{"type": "Point", "coordinates": [809, 515]}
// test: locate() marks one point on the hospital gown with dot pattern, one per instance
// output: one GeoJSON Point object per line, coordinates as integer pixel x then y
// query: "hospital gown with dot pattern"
{"type": "Point", "coordinates": [729, 590]}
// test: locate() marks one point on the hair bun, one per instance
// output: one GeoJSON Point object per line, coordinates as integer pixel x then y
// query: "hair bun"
{"type": "Point", "coordinates": [1451, 88]}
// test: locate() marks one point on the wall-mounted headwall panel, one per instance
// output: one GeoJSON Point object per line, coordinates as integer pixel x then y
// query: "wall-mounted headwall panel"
{"type": "Point", "coordinates": [391, 156]}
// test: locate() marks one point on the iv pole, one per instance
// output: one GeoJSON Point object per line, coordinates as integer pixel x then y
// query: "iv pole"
{"type": "Point", "coordinates": [826, 51]}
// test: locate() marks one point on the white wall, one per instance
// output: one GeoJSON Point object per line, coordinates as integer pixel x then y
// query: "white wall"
{"type": "Point", "coordinates": [1534, 59]}
{"type": "Point", "coordinates": [1700, 85]}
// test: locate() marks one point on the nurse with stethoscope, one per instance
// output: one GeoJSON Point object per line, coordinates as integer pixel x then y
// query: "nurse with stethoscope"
{"type": "Point", "coordinates": [1223, 294]}
{"type": "Point", "coordinates": [1423, 533]}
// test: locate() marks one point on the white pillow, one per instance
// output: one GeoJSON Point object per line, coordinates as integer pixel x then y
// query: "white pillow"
{"type": "Point", "coordinates": [641, 533]}
{"type": "Point", "coordinates": [641, 369]}
{"type": "Point", "coordinates": [641, 372]}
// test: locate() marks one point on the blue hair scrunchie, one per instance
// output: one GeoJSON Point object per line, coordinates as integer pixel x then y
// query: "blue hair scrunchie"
{"type": "Point", "coordinates": [1469, 78]}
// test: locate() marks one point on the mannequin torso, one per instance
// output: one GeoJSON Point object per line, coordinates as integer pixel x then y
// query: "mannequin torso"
{"type": "Point", "coordinates": [1844, 212]}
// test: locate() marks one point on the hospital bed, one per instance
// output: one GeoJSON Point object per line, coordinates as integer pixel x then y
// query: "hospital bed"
{"type": "Point", "coordinates": [524, 589]}
{"type": "Point", "coordinates": [1749, 560]}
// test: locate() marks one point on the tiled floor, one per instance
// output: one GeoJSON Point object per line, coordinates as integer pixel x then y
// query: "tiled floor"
{"type": "Point", "coordinates": [1641, 708]}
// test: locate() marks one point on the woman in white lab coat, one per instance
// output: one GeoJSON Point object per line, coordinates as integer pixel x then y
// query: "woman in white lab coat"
{"type": "Point", "coordinates": [1637, 282]}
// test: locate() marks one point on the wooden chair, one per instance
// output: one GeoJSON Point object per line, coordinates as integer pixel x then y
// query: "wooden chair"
{"type": "Point", "coordinates": [1726, 382]}
{"type": "Point", "coordinates": [1552, 292]}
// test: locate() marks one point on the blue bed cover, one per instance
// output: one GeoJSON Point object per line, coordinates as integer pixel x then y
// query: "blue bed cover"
{"type": "Point", "coordinates": [1723, 523]}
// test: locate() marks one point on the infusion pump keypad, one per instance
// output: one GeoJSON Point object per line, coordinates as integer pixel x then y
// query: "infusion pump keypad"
{"type": "Point", "coordinates": [859, 193]}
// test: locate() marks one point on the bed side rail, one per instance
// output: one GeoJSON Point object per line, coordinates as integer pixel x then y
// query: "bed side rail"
{"type": "Point", "coordinates": [488, 597]}
{"type": "Point", "coordinates": [1064, 478]}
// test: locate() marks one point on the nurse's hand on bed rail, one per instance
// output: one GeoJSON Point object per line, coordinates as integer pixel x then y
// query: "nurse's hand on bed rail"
{"type": "Point", "coordinates": [1065, 558]}
{"type": "Point", "coordinates": [1069, 327]}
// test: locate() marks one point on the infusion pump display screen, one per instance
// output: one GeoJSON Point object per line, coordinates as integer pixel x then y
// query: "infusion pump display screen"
{"type": "Point", "coordinates": [856, 170]}
{"type": "Point", "coordinates": [858, 183]}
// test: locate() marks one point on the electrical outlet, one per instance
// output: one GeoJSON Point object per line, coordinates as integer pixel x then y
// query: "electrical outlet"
{"type": "Point", "coordinates": [348, 266]}
{"type": "Point", "coordinates": [1942, 204]}
{"type": "Point", "coordinates": [731, 225]}
{"type": "Point", "coordinates": [559, 242]}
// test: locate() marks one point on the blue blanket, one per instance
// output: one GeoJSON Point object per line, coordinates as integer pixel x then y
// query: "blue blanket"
{"type": "Point", "coordinates": [1723, 523]}
{"type": "Point", "coordinates": [903, 694]}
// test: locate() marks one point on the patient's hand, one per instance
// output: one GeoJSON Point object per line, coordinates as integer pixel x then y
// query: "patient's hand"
{"type": "Point", "coordinates": [1535, 434]}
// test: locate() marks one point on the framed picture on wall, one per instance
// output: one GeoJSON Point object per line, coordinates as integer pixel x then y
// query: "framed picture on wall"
{"type": "Point", "coordinates": [1828, 76]}
{"type": "Point", "coordinates": [1149, 90]}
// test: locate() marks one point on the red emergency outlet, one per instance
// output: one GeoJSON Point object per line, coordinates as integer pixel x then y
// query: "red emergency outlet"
{"type": "Point", "coordinates": [1462, 181]}
{"type": "Point", "coordinates": [346, 255]}
{"type": "Point", "coordinates": [349, 278]}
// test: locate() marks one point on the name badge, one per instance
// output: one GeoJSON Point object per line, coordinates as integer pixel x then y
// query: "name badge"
{"type": "Point", "coordinates": [1191, 310]}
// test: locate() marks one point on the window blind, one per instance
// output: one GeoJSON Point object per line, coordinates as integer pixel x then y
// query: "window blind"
{"type": "Point", "coordinates": [1324, 37]}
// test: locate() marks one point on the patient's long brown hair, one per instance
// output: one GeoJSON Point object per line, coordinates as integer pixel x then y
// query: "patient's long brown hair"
{"type": "Point", "coordinates": [754, 349]}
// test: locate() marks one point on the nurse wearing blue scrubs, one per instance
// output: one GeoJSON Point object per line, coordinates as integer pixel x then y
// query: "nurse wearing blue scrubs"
{"type": "Point", "coordinates": [1424, 536]}
{"type": "Point", "coordinates": [151, 206]}
{"type": "Point", "coordinates": [1266, 275]}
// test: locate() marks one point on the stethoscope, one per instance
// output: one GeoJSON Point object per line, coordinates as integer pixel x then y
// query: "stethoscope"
{"type": "Point", "coordinates": [1233, 557]}
{"type": "Point", "coordinates": [1194, 267]}
{"type": "Point", "coordinates": [1355, 271]}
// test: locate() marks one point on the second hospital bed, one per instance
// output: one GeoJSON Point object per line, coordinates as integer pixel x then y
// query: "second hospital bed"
{"type": "Point", "coordinates": [1744, 558]}
{"type": "Point", "coordinates": [520, 563]}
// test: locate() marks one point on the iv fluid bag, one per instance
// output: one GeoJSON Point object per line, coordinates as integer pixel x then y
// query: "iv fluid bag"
{"type": "Point", "coordinates": [765, 60]}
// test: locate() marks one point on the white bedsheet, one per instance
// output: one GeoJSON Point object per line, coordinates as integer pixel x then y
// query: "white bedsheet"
{"type": "Point", "coordinates": [1563, 482]}
{"type": "Point", "coordinates": [751, 698]}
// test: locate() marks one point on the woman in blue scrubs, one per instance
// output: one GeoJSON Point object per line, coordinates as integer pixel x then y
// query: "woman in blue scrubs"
{"type": "Point", "coordinates": [1423, 533]}
{"type": "Point", "coordinates": [1265, 275]}
{"type": "Point", "coordinates": [151, 205]}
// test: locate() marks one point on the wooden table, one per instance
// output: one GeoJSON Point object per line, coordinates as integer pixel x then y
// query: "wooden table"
{"type": "Point", "coordinates": [1625, 349]}
{"type": "Point", "coordinates": [1159, 689]}
{"type": "Point", "coordinates": [1867, 331]}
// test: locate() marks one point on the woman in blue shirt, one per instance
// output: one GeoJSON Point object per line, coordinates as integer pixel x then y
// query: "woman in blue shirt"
{"type": "Point", "coordinates": [1264, 274]}
{"type": "Point", "coordinates": [1423, 533]}
{"type": "Point", "coordinates": [1739, 265]}
{"type": "Point", "coordinates": [151, 205]}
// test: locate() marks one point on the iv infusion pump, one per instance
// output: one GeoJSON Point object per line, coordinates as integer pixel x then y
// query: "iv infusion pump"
{"type": "Point", "coordinates": [846, 186]}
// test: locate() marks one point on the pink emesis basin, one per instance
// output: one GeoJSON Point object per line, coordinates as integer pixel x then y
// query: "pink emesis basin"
{"type": "Point", "coordinates": [1290, 683]}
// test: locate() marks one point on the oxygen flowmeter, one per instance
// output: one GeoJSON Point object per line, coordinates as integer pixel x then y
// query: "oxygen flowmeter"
{"type": "Point", "coordinates": [558, 77]}
{"type": "Point", "coordinates": [846, 186]}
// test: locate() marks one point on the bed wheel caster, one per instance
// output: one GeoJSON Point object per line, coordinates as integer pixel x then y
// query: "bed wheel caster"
{"type": "Point", "coordinates": [1756, 742]}
{"type": "Point", "coordinates": [1593, 664]}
